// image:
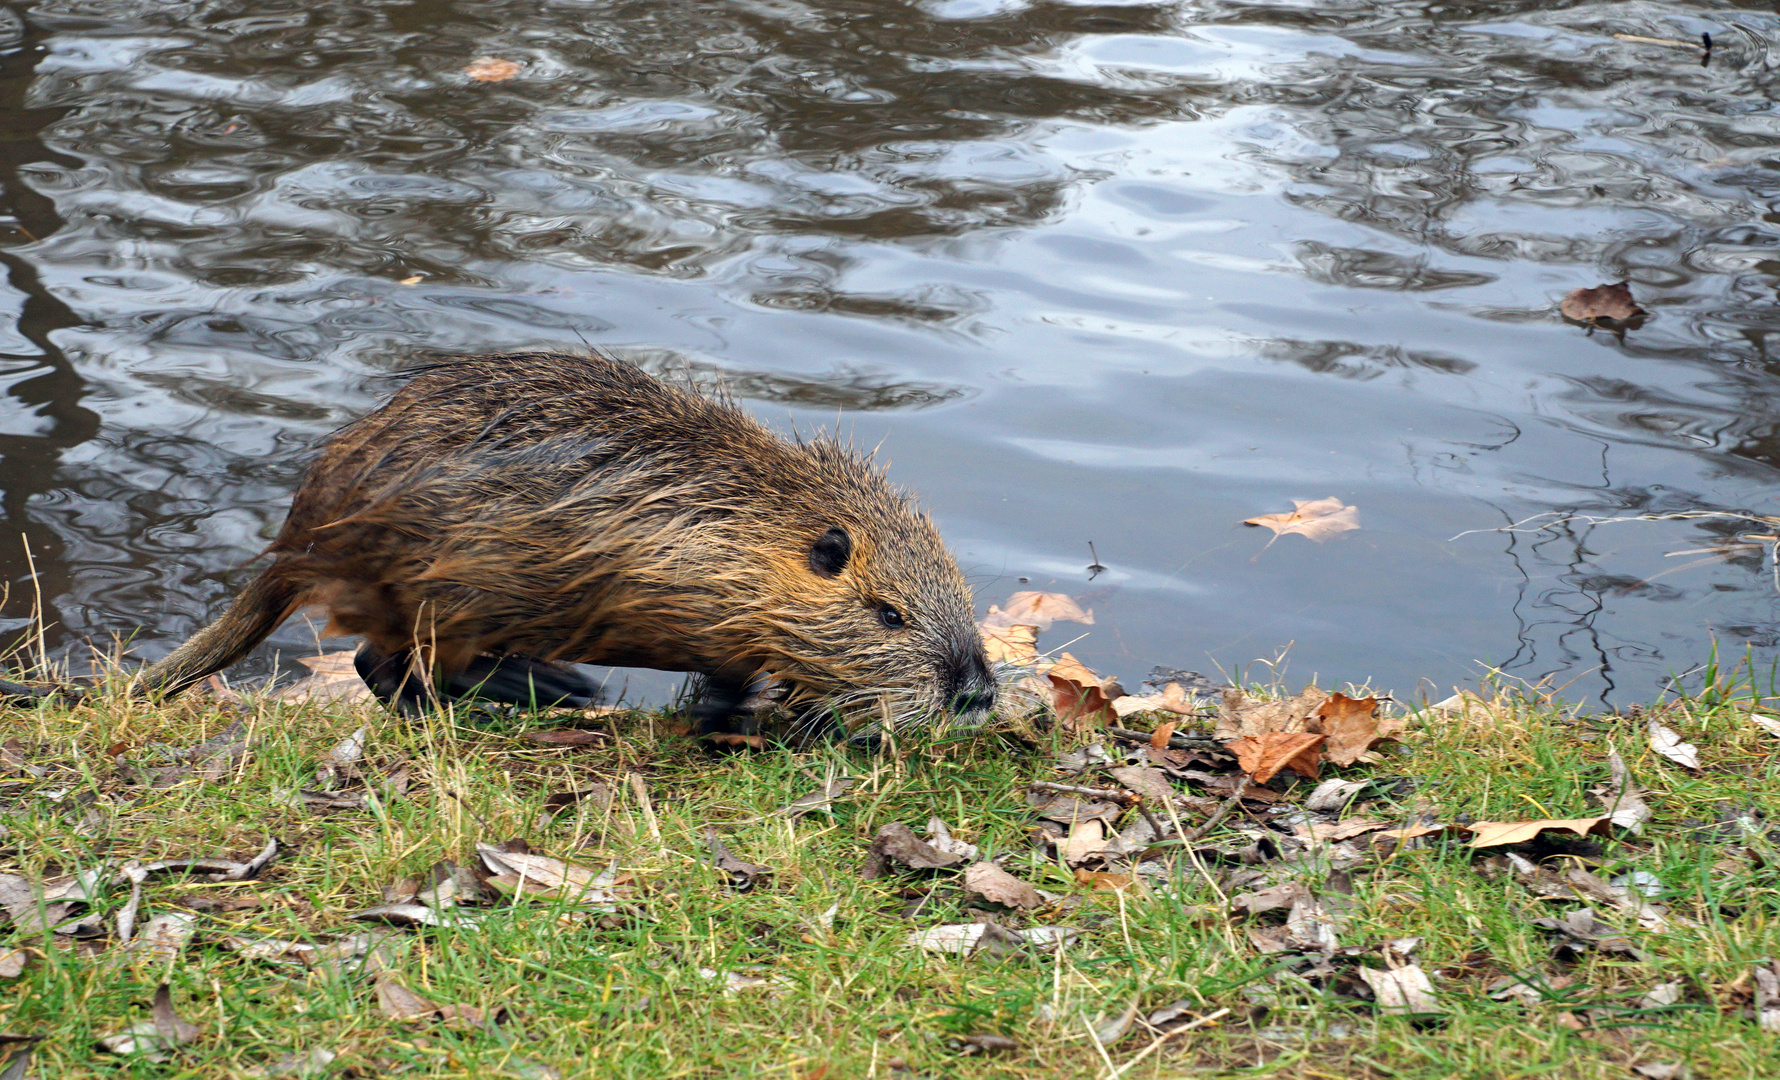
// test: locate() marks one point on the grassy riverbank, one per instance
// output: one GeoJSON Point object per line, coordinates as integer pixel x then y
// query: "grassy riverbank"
{"type": "Point", "coordinates": [805, 969]}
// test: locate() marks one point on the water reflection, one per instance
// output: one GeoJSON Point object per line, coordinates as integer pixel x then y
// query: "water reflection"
{"type": "Point", "coordinates": [1128, 273]}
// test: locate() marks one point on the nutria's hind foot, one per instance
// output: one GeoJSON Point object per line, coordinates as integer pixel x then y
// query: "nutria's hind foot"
{"type": "Point", "coordinates": [508, 680]}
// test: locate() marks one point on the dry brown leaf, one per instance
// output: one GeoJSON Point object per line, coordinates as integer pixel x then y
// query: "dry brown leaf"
{"type": "Point", "coordinates": [1317, 519]}
{"type": "Point", "coordinates": [1262, 756]}
{"type": "Point", "coordinates": [1667, 742]}
{"type": "Point", "coordinates": [1621, 796]}
{"type": "Point", "coordinates": [332, 679]}
{"type": "Point", "coordinates": [1603, 305]}
{"type": "Point", "coordinates": [897, 843]}
{"type": "Point", "coordinates": [400, 1003]}
{"type": "Point", "coordinates": [491, 69]}
{"type": "Point", "coordinates": [1412, 831]}
{"type": "Point", "coordinates": [1240, 715]}
{"type": "Point", "coordinates": [742, 874]}
{"type": "Point", "coordinates": [1101, 881]}
{"type": "Point", "coordinates": [1081, 698]}
{"type": "Point", "coordinates": [1159, 738]}
{"type": "Point", "coordinates": [1353, 728]}
{"type": "Point", "coordinates": [1401, 990]}
{"type": "Point", "coordinates": [1144, 780]}
{"type": "Point", "coordinates": [997, 886]}
{"type": "Point", "coordinates": [1345, 829]}
{"type": "Point", "coordinates": [1038, 610]}
{"type": "Point", "coordinates": [1017, 645]}
{"type": "Point", "coordinates": [1173, 698]}
{"type": "Point", "coordinates": [14, 962]}
{"type": "Point", "coordinates": [1087, 839]}
{"type": "Point", "coordinates": [1283, 896]}
{"type": "Point", "coordinates": [568, 737]}
{"type": "Point", "coordinates": [1499, 833]}
{"type": "Point", "coordinates": [736, 741]}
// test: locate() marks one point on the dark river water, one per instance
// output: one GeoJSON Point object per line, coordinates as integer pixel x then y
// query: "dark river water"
{"type": "Point", "coordinates": [1124, 274]}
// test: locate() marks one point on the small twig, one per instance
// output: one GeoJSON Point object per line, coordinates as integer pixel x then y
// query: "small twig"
{"type": "Point", "coordinates": [1166, 1035]}
{"type": "Point", "coordinates": [1175, 742]}
{"type": "Point", "coordinates": [1118, 795]}
{"type": "Point", "coordinates": [1223, 812]}
{"type": "Point", "coordinates": [487, 830]}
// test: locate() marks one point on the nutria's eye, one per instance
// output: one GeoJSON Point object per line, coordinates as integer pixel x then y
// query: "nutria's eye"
{"type": "Point", "coordinates": [829, 554]}
{"type": "Point", "coordinates": [890, 617]}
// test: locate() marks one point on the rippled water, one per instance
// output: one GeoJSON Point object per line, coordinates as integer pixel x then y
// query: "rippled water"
{"type": "Point", "coordinates": [1119, 273]}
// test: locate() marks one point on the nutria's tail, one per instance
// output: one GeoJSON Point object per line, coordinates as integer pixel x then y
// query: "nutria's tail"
{"type": "Point", "coordinates": [257, 612]}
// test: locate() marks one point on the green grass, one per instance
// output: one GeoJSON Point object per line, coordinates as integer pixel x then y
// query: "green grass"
{"type": "Point", "coordinates": [846, 996]}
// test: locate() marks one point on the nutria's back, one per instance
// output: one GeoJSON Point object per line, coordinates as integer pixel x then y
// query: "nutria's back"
{"type": "Point", "coordinates": [576, 509]}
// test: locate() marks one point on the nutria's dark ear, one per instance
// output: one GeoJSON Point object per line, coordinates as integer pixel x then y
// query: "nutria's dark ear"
{"type": "Point", "coordinates": [829, 554]}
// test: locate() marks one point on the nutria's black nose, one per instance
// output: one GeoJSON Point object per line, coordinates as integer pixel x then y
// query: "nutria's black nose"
{"type": "Point", "coordinates": [975, 701]}
{"type": "Point", "coordinates": [971, 685]}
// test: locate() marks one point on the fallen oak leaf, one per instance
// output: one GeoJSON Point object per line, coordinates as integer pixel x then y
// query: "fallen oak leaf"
{"type": "Point", "coordinates": [1317, 519]}
{"type": "Point", "coordinates": [1263, 756]}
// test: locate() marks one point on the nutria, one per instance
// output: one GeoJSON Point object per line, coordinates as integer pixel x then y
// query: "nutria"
{"type": "Point", "coordinates": [502, 516]}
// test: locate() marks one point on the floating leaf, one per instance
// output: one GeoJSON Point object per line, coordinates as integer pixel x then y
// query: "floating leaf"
{"type": "Point", "coordinates": [1038, 610]}
{"type": "Point", "coordinates": [1603, 305]}
{"type": "Point", "coordinates": [1317, 519]}
{"type": "Point", "coordinates": [491, 69]}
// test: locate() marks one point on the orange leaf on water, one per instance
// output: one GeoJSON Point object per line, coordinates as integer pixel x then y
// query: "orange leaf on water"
{"type": "Point", "coordinates": [491, 69]}
{"type": "Point", "coordinates": [1038, 609]}
{"type": "Point", "coordinates": [1318, 519]}
{"type": "Point", "coordinates": [1603, 305]}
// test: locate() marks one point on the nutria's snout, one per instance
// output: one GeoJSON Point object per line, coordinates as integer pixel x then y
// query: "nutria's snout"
{"type": "Point", "coordinates": [971, 688]}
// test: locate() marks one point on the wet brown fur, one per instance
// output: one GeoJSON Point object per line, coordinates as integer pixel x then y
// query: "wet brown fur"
{"type": "Point", "coordinates": [576, 509]}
